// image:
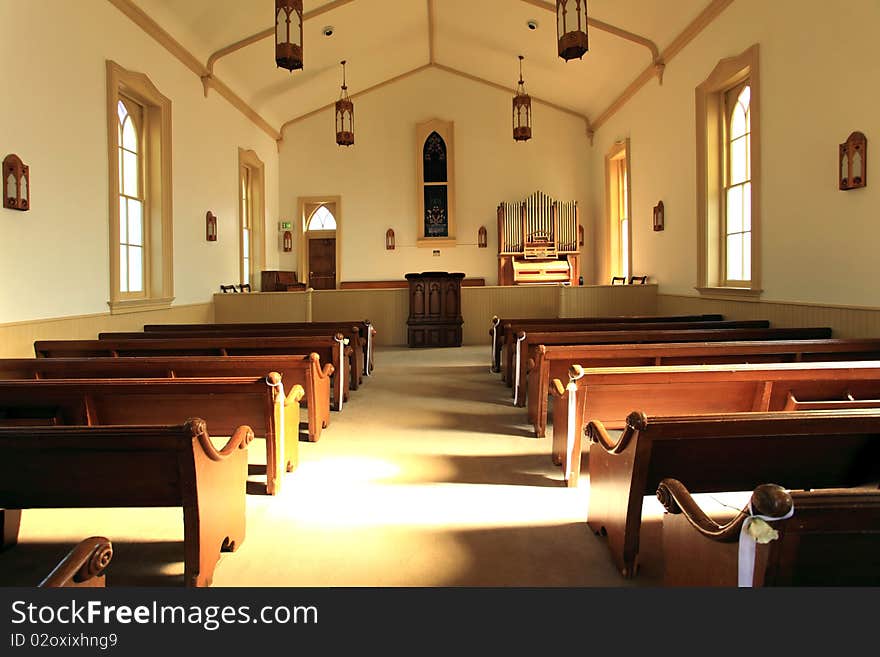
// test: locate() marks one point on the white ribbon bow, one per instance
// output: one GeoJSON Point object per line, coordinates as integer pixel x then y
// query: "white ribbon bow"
{"type": "Point", "coordinates": [571, 389]}
{"type": "Point", "coordinates": [516, 371]}
{"type": "Point", "coordinates": [279, 431]}
{"type": "Point", "coordinates": [342, 365]}
{"type": "Point", "coordinates": [495, 322]}
{"type": "Point", "coordinates": [747, 546]}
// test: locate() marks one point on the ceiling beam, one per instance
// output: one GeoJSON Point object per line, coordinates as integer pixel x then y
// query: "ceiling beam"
{"type": "Point", "coordinates": [690, 32]}
{"type": "Point", "coordinates": [453, 71]}
{"type": "Point", "coordinates": [608, 27]}
{"type": "Point", "coordinates": [265, 34]}
{"type": "Point", "coordinates": [431, 57]}
{"type": "Point", "coordinates": [153, 29]}
{"type": "Point", "coordinates": [376, 86]}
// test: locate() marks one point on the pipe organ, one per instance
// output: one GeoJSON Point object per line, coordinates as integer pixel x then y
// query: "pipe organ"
{"type": "Point", "coordinates": [538, 241]}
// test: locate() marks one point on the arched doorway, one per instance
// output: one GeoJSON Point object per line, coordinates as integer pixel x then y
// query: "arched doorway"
{"type": "Point", "coordinates": [321, 246]}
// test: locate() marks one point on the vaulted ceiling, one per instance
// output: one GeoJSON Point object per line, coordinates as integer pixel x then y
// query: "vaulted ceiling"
{"type": "Point", "coordinates": [384, 39]}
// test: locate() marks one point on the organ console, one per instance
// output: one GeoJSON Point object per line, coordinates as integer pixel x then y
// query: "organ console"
{"type": "Point", "coordinates": [538, 241]}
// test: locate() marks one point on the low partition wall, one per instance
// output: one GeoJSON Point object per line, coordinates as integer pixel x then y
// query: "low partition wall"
{"type": "Point", "coordinates": [845, 321]}
{"type": "Point", "coordinates": [388, 309]}
{"type": "Point", "coordinates": [17, 339]}
{"type": "Point", "coordinates": [262, 307]}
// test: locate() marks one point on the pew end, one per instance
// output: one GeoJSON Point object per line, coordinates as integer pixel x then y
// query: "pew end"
{"type": "Point", "coordinates": [832, 538]}
{"type": "Point", "coordinates": [83, 567]}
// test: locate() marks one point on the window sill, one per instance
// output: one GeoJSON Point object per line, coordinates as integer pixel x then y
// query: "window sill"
{"type": "Point", "coordinates": [729, 292]}
{"type": "Point", "coordinates": [138, 305]}
{"type": "Point", "coordinates": [435, 242]}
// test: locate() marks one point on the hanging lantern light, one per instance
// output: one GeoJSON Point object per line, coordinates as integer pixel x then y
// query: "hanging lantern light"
{"type": "Point", "coordinates": [522, 110]}
{"type": "Point", "coordinates": [344, 115]}
{"type": "Point", "coordinates": [571, 28]}
{"type": "Point", "coordinates": [288, 34]}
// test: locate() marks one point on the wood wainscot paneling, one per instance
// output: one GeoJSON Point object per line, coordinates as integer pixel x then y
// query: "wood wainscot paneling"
{"type": "Point", "coordinates": [387, 309]}
{"type": "Point", "coordinates": [606, 300]}
{"type": "Point", "coordinates": [845, 321]}
{"type": "Point", "coordinates": [17, 339]}
{"type": "Point", "coordinates": [262, 307]}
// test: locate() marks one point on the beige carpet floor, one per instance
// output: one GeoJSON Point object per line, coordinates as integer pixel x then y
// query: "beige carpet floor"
{"type": "Point", "coordinates": [429, 477]}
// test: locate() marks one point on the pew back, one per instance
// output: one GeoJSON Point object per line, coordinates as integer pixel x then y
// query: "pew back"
{"type": "Point", "coordinates": [304, 370]}
{"type": "Point", "coordinates": [553, 361]}
{"type": "Point", "coordinates": [226, 403]}
{"type": "Point", "coordinates": [832, 539]}
{"type": "Point", "coordinates": [716, 452]}
{"type": "Point", "coordinates": [135, 466]}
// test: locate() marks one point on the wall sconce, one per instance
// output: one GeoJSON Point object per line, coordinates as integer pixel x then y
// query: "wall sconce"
{"type": "Point", "coordinates": [659, 216]}
{"type": "Point", "coordinates": [389, 239]}
{"type": "Point", "coordinates": [210, 227]}
{"type": "Point", "coordinates": [580, 235]}
{"type": "Point", "coordinates": [16, 179]}
{"type": "Point", "coordinates": [853, 162]}
{"type": "Point", "coordinates": [287, 241]}
{"type": "Point", "coordinates": [482, 238]}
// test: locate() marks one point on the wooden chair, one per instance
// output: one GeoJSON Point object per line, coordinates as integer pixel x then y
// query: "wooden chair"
{"type": "Point", "coordinates": [832, 538]}
{"type": "Point", "coordinates": [640, 280]}
{"type": "Point", "coordinates": [228, 289]}
{"type": "Point", "coordinates": [618, 280]}
{"type": "Point", "coordinates": [83, 567]}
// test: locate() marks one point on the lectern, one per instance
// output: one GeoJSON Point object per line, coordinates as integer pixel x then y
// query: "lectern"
{"type": "Point", "coordinates": [434, 309]}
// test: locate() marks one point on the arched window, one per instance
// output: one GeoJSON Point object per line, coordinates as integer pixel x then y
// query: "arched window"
{"type": "Point", "coordinates": [436, 223]}
{"type": "Point", "coordinates": [140, 218]}
{"type": "Point", "coordinates": [131, 197]}
{"type": "Point", "coordinates": [728, 168]}
{"type": "Point", "coordinates": [322, 219]}
{"type": "Point", "coordinates": [737, 250]}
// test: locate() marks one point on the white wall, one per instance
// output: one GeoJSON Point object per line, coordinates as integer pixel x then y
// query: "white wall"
{"type": "Point", "coordinates": [377, 177]}
{"type": "Point", "coordinates": [819, 67]}
{"type": "Point", "coordinates": [54, 259]}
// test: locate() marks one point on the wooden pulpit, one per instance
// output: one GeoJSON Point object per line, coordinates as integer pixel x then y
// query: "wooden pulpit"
{"type": "Point", "coordinates": [434, 309]}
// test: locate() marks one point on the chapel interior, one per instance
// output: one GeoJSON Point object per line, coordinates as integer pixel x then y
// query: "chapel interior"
{"type": "Point", "coordinates": [507, 293]}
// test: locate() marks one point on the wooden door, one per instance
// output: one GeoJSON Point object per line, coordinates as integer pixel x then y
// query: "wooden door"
{"type": "Point", "coordinates": [322, 263]}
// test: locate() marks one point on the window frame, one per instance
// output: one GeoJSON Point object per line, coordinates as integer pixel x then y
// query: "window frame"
{"type": "Point", "coordinates": [711, 171]}
{"type": "Point", "coordinates": [728, 100]}
{"type": "Point", "coordinates": [446, 131]}
{"type": "Point", "coordinates": [249, 161]}
{"type": "Point", "coordinates": [138, 121]}
{"type": "Point", "coordinates": [617, 161]}
{"type": "Point", "coordinates": [156, 179]}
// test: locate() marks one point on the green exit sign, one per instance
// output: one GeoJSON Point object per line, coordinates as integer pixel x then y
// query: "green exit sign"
{"type": "Point", "coordinates": [285, 225]}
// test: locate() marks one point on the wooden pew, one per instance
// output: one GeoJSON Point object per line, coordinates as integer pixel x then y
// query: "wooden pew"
{"type": "Point", "coordinates": [605, 394]}
{"type": "Point", "coordinates": [83, 567]}
{"type": "Point", "coordinates": [553, 361]}
{"type": "Point", "coordinates": [329, 349]}
{"type": "Point", "coordinates": [832, 539]}
{"type": "Point", "coordinates": [527, 343]}
{"type": "Point", "coordinates": [226, 403]}
{"type": "Point", "coordinates": [501, 327]}
{"type": "Point", "coordinates": [720, 452]}
{"type": "Point", "coordinates": [514, 351]}
{"type": "Point", "coordinates": [133, 466]}
{"type": "Point", "coordinates": [304, 370]}
{"type": "Point", "coordinates": [351, 335]}
{"type": "Point", "coordinates": [367, 331]}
